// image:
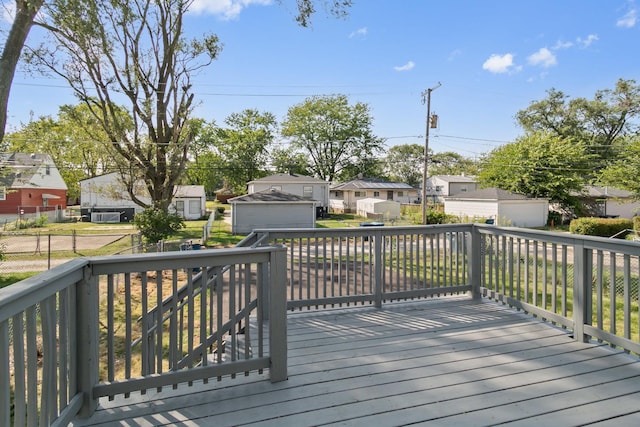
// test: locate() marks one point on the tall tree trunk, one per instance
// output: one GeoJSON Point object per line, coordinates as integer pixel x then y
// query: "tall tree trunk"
{"type": "Point", "coordinates": [26, 11]}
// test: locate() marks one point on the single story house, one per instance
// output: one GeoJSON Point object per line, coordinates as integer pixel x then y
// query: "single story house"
{"type": "Point", "coordinates": [441, 186]}
{"type": "Point", "coordinates": [501, 206]}
{"type": "Point", "coordinates": [271, 209]}
{"type": "Point", "coordinates": [344, 197]}
{"type": "Point", "coordinates": [611, 202]}
{"type": "Point", "coordinates": [31, 184]}
{"type": "Point", "coordinates": [105, 198]}
{"type": "Point", "coordinates": [378, 209]}
{"type": "Point", "coordinates": [189, 201]}
{"type": "Point", "coordinates": [306, 187]}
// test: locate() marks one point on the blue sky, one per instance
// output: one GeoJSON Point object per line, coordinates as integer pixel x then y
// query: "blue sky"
{"type": "Point", "coordinates": [493, 58]}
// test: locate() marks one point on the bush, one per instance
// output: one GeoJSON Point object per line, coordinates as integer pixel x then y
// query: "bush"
{"type": "Point", "coordinates": [156, 224]}
{"type": "Point", "coordinates": [603, 227]}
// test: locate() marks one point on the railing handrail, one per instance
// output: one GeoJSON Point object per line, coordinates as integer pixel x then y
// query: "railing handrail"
{"type": "Point", "coordinates": [487, 259]}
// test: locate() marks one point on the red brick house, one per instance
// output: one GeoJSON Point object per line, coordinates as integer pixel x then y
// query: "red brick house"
{"type": "Point", "coordinates": [30, 184]}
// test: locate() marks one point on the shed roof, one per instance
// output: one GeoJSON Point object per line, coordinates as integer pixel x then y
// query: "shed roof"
{"type": "Point", "coordinates": [371, 184]}
{"type": "Point", "coordinates": [492, 193]}
{"type": "Point", "coordinates": [287, 178]}
{"type": "Point", "coordinates": [271, 196]}
{"type": "Point", "coordinates": [189, 191]}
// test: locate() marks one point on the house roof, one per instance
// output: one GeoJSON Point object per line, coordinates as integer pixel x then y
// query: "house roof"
{"type": "Point", "coordinates": [606, 192]}
{"type": "Point", "coordinates": [492, 193]}
{"type": "Point", "coordinates": [454, 178]}
{"type": "Point", "coordinates": [371, 184]}
{"type": "Point", "coordinates": [189, 191]}
{"type": "Point", "coordinates": [287, 178]}
{"type": "Point", "coordinates": [271, 196]}
{"type": "Point", "coordinates": [27, 171]}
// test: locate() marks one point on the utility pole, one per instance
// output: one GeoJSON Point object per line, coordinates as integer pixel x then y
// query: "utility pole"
{"type": "Point", "coordinates": [426, 96]}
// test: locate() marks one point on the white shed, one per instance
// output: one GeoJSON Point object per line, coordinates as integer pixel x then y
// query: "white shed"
{"type": "Point", "coordinates": [271, 209]}
{"type": "Point", "coordinates": [503, 207]}
{"type": "Point", "coordinates": [378, 209]}
{"type": "Point", "coordinates": [189, 201]}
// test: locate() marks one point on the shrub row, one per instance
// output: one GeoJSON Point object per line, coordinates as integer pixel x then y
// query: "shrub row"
{"type": "Point", "coordinates": [603, 227]}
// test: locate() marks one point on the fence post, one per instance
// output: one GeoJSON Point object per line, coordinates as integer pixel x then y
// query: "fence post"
{"type": "Point", "coordinates": [87, 318]}
{"type": "Point", "coordinates": [377, 265]}
{"type": "Point", "coordinates": [278, 315]}
{"type": "Point", "coordinates": [474, 255]}
{"type": "Point", "coordinates": [582, 272]}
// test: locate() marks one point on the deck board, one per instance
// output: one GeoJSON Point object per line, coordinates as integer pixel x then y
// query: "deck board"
{"type": "Point", "coordinates": [451, 361]}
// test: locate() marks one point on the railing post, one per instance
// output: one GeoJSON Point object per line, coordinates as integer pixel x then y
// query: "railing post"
{"type": "Point", "coordinates": [277, 309]}
{"type": "Point", "coordinates": [87, 340]}
{"type": "Point", "coordinates": [474, 255]}
{"type": "Point", "coordinates": [582, 271]}
{"type": "Point", "coordinates": [377, 265]}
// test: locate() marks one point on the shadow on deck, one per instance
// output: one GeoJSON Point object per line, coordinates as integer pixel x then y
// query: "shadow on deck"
{"type": "Point", "coordinates": [447, 361]}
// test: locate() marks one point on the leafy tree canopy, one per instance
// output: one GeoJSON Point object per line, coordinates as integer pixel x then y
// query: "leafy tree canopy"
{"type": "Point", "coordinates": [538, 165]}
{"type": "Point", "coordinates": [599, 123]}
{"type": "Point", "coordinates": [336, 136]}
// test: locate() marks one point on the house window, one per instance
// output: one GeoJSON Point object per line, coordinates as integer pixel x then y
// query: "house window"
{"type": "Point", "coordinates": [376, 194]}
{"type": "Point", "coordinates": [180, 206]}
{"type": "Point", "coordinates": [360, 193]}
{"type": "Point", "coordinates": [307, 192]}
{"type": "Point", "coordinates": [47, 170]}
{"type": "Point", "coordinates": [400, 193]}
{"type": "Point", "coordinates": [438, 188]}
{"type": "Point", "coordinates": [3, 193]}
{"type": "Point", "coordinates": [194, 207]}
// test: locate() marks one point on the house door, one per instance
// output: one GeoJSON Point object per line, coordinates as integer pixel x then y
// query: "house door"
{"type": "Point", "coordinates": [389, 195]}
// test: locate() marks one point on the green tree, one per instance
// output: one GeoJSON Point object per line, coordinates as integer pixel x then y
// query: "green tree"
{"type": "Point", "coordinates": [336, 136]}
{"type": "Point", "coordinates": [25, 13]}
{"type": "Point", "coordinates": [132, 51]}
{"type": "Point", "coordinates": [404, 163]}
{"type": "Point", "coordinates": [600, 122]}
{"type": "Point", "coordinates": [538, 165]}
{"type": "Point", "coordinates": [244, 145]}
{"type": "Point", "coordinates": [451, 163]}
{"type": "Point", "coordinates": [157, 224]}
{"type": "Point", "coordinates": [286, 160]}
{"type": "Point", "coordinates": [623, 172]}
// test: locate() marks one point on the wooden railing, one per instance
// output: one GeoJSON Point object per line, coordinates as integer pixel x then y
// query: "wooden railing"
{"type": "Point", "coordinates": [89, 328]}
{"type": "Point", "coordinates": [116, 325]}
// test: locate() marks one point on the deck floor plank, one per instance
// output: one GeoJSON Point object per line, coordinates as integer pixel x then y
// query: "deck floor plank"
{"type": "Point", "coordinates": [452, 361]}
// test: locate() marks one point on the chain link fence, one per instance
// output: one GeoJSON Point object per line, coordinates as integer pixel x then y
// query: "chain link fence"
{"type": "Point", "coordinates": [37, 252]}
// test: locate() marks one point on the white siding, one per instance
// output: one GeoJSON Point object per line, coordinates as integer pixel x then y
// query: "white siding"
{"type": "Point", "coordinates": [248, 216]}
{"type": "Point", "coordinates": [320, 191]}
{"type": "Point", "coordinates": [107, 191]}
{"type": "Point", "coordinates": [626, 209]}
{"type": "Point", "coordinates": [469, 210]}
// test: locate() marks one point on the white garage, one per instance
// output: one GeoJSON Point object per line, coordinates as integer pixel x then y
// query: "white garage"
{"type": "Point", "coordinates": [503, 207]}
{"type": "Point", "coordinates": [271, 209]}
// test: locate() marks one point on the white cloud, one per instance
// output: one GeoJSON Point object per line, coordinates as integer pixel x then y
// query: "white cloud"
{"type": "Point", "coordinates": [499, 63]}
{"type": "Point", "coordinates": [562, 45]}
{"type": "Point", "coordinates": [588, 41]}
{"type": "Point", "coordinates": [406, 67]}
{"type": "Point", "coordinates": [628, 20]}
{"type": "Point", "coordinates": [543, 57]}
{"type": "Point", "coordinates": [360, 32]}
{"type": "Point", "coordinates": [226, 9]}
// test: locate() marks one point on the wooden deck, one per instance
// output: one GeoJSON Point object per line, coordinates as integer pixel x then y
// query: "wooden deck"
{"type": "Point", "coordinates": [450, 361]}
